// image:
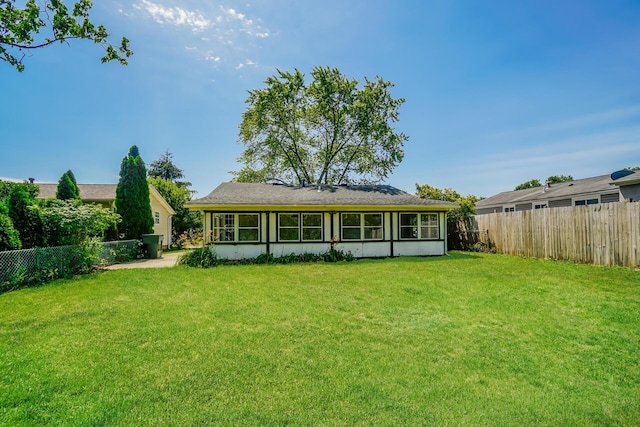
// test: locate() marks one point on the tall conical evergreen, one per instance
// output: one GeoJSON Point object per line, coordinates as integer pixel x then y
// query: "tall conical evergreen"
{"type": "Point", "coordinates": [67, 187]}
{"type": "Point", "coordinates": [132, 197]}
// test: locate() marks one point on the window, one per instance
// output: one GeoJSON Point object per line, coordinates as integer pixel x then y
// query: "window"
{"type": "Point", "coordinates": [540, 206]}
{"type": "Point", "coordinates": [296, 227]}
{"type": "Point", "coordinates": [361, 226]}
{"type": "Point", "coordinates": [289, 227]}
{"type": "Point", "coordinates": [311, 227]}
{"type": "Point", "coordinates": [422, 226]}
{"type": "Point", "coordinates": [509, 208]}
{"type": "Point", "coordinates": [156, 217]}
{"type": "Point", "coordinates": [236, 227]}
{"type": "Point", "coordinates": [586, 202]}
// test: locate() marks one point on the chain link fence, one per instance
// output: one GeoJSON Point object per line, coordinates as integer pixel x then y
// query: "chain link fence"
{"type": "Point", "coordinates": [44, 264]}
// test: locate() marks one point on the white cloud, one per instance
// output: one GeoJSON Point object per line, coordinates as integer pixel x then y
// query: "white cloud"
{"type": "Point", "coordinates": [248, 62]}
{"type": "Point", "coordinates": [174, 16]}
{"type": "Point", "coordinates": [226, 31]}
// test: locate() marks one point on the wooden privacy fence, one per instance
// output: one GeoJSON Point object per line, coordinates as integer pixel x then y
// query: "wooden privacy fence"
{"type": "Point", "coordinates": [605, 234]}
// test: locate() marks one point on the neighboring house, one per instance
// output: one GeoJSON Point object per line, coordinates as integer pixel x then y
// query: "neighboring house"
{"type": "Point", "coordinates": [245, 220]}
{"type": "Point", "coordinates": [105, 195]}
{"type": "Point", "coordinates": [587, 191]}
{"type": "Point", "coordinates": [629, 184]}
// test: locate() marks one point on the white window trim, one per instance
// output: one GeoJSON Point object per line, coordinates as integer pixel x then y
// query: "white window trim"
{"type": "Point", "coordinates": [362, 227]}
{"type": "Point", "coordinates": [585, 198]}
{"type": "Point", "coordinates": [418, 225]}
{"type": "Point", "coordinates": [236, 227]}
{"type": "Point", "coordinates": [156, 218]}
{"type": "Point", "coordinates": [539, 205]}
{"type": "Point", "coordinates": [512, 208]}
{"type": "Point", "coordinates": [300, 227]}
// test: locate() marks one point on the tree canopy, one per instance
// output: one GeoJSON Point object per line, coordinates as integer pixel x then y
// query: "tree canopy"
{"type": "Point", "coordinates": [37, 25]}
{"type": "Point", "coordinates": [67, 187]}
{"type": "Point", "coordinates": [529, 184]}
{"type": "Point", "coordinates": [132, 197]}
{"type": "Point", "coordinates": [165, 168]}
{"type": "Point", "coordinates": [327, 132]}
{"type": "Point", "coordinates": [466, 204]}
{"type": "Point", "coordinates": [554, 179]}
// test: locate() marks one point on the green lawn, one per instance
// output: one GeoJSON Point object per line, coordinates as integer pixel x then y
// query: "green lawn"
{"type": "Point", "coordinates": [460, 340]}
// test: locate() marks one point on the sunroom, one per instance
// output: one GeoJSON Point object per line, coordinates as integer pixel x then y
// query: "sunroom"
{"type": "Point", "coordinates": [244, 220]}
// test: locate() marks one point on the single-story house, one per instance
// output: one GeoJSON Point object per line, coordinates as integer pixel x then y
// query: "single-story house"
{"type": "Point", "coordinates": [105, 195]}
{"type": "Point", "coordinates": [628, 183]}
{"type": "Point", "coordinates": [617, 187]}
{"type": "Point", "coordinates": [245, 220]}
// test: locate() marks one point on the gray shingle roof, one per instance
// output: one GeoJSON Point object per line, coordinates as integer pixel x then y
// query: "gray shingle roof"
{"type": "Point", "coordinates": [93, 192]}
{"type": "Point", "coordinates": [561, 190]}
{"type": "Point", "coordinates": [235, 193]}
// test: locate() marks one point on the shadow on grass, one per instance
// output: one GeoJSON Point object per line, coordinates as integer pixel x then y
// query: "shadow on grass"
{"type": "Point", "coordinates": [452, 256]}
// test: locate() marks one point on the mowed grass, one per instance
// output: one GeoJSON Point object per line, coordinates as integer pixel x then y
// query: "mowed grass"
{"type": "Point", "coordinates": [465, 339]}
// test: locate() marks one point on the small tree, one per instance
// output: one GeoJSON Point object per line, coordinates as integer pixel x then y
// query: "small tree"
{"type": "Point", "coordinates": [132, 197]}
{"type": "Point", "coordinates": [67, 187]}
{"type": "Point", "coordinates": [70, 222]}
{"type": "Point", "coordinates": [25, 217]}
{"type": "Point", "coordinates": [458, 218]}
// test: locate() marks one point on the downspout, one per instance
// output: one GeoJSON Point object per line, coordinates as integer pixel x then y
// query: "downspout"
{"type": "Point", "coordinates": [268, 233]}
{"type": "Point", "coordinates": [391, 228]}
{"type": "Point", "coordinates": [446, 234]}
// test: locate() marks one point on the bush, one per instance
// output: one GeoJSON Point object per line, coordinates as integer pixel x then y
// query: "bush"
{"type": "Point", "coordinates": [200, 257]}
{"type": "Point", "coordinates": [55, 263]}
{"type": "Point", "coordinates": [206, 257]}
{"type": "Point", "coordinates": [8, 235]}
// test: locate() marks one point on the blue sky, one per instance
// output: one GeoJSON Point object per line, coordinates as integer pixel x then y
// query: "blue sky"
{"type": "Point", "coordinates": [497, 92]}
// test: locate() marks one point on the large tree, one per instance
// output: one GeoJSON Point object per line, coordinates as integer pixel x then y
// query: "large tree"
{"type": "Point", "coordinates": [67, 187]}
{"type": "Point", "coordinates": [132, 197]}
{"type": "Point", "coordinates": [39, 24]}
{"type": "Point", "coordinates": [327, 132]}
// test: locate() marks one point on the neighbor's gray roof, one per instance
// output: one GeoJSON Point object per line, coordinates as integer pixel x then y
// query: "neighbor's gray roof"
{"type": "Point", "coordinates": [235, 193]}
{"type": "Point", "coordinates": [96, 192]}
{"type": "Point", "coordinates": [632, 178]}
{"type": "Point", "coordinates": [561, 190]}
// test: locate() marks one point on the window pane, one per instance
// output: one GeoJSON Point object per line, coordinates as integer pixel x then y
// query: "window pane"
{"type": "Point", "coordinates": [289, 220]}
{"type": "Point", "coordinates": [248, 220]}
{"type": "Point", "coordinates": [429, 220]}
{"type": "Point", "coordinates": [351, 234]}
{"type": "Point", "coordinates": [351, 219]}
{"type": "Point", "coordinates": [311, 234]}
{"type": "Point", "coordinates": [313, 220]}
{"type": "Point", "coordinates": [592, 201]}
{"type": "Point", "coordinates": [248, 235]}
{"type": "Point", "coordinates": [429, 233]}
{"type": "Point", "coordinates": [408, 219]}
{"type": "Point", "coordinates": [226, 235]}
{"type": "Point", "coordinates": [289, 234]}
{"type": "Point", "coordinates": [373, 219]}
{"type": "Point", "coordinates": [580, 202]}
{"type": "Point", "coordinates": [373, 233]}
{"type": "Point", "coordinates": [409, 232]}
